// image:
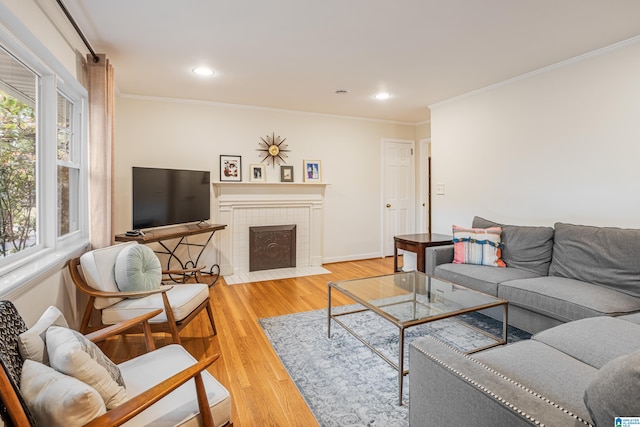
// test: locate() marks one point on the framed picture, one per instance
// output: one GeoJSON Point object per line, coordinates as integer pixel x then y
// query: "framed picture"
{"type": "Point", "coordinates": [230, 168]}
{"type": "Point", "coordinates": [286, 173]}
{"type": "Point", "coordinates": [312, 170]}
{"type": "Point", "coordinates": [257, 173]}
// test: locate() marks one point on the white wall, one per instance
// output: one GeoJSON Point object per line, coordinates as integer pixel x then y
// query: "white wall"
{"type": "Point", "coordinates": [559, 145]}
{"type": "Point", "coordinates": [48, 24]}
{"type": "Point", "coordinates": [192, 135]}
{"type": "Point", "coordinates": [54, 289]}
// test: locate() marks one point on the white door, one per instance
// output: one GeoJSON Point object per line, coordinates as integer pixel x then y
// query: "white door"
{"type": "Point", "coordinates": [398, 186]}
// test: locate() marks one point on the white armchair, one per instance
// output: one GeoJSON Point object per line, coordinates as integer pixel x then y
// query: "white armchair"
{"type": "Point", "coordinates": [77, 385]}
{"type": "Point", "coordinates": [180, 303]}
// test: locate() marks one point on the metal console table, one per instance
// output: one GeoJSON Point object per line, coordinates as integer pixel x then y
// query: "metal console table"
{"type": "Point", "coordinates": [180, 232]}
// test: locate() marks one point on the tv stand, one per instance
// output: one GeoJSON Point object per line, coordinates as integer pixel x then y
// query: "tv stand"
{"type": "Point", "coordinates": [180, 232]}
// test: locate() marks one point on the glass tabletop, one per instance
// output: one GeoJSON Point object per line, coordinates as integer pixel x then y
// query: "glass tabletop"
{"type": "Point", "coordinates": [413, 297]}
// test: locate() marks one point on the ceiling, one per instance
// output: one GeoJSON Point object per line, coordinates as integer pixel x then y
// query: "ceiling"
{"type": "Point", "coordinates": [295, 54]}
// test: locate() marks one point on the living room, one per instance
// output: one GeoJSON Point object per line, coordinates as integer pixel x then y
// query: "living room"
{"type": "Point", "coordinates": [554, 143]}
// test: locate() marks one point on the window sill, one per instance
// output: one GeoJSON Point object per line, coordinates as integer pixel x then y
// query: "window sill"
{"type": "Point", "coordinates": [40, 265]}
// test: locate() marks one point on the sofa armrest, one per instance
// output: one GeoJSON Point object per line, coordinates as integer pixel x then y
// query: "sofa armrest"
{"type": "Point", "coordinates": [448, 387]}
{"type": "Point", "coordinates": [436, 255]}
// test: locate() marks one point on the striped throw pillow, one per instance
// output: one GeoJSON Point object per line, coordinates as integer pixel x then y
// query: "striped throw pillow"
{"type": "Point", "coordinates": [482, 246]}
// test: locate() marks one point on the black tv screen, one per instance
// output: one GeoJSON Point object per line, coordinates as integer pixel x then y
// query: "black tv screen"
{"type": "Point", "coordinates": [169, 196]}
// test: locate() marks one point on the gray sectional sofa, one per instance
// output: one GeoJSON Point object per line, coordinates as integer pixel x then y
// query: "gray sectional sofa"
{"type": "Point", "coordinates": [553, 275]}
{"type": "Point", "coordinates": [581, 373]}
{"type": "Point", "coordinates": [577, 288]}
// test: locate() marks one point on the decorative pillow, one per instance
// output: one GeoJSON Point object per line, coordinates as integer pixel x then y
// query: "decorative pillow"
{"type": "Point", "coordinates": [477, 246]}
{"type": "Point", "coordinates": [614, 390]}
{"type": "Point", "coordinates": [72, 354]}
{"type": "Point", "coordinates": [56, 399]}
{"type": "Point", "coordinates": [137, 268]}
{"type": "Point", "coordinates": [97, 268]}
{"type": "Point", "coordinates": [32, 342]}
{"type": "Point", "coordinates": [524, 246]}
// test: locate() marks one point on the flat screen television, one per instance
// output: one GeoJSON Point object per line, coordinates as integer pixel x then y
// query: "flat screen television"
{"type": "Point", "coordinates": [169, 196]}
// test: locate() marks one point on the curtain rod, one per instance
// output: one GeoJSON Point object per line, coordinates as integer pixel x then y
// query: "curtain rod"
{"type": "Point", "coordinates": [96, 58]}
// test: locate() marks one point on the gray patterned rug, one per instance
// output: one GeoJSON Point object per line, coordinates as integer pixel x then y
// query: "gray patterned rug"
{"type": "Point", "coordinates": [345, 383]}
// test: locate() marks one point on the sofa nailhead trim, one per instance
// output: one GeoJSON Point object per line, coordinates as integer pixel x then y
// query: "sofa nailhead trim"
{"type": "Point", "coordinates": [491, 393]}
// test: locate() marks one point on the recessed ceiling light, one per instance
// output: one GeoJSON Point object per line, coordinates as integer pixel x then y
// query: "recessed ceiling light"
{"type": "Point", "coordinates": [382, 95]}
{"type": "Point", "coordinates": [203, 71]}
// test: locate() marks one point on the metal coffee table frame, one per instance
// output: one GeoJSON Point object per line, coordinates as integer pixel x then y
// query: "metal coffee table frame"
{"type": "Point", "coordinates": [403, 325]}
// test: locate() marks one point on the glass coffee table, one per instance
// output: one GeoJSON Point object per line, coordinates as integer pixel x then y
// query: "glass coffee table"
{"type": "Point", "coordinates": [411, 299]}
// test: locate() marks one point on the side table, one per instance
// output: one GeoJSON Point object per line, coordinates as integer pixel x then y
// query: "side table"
{"type": "Point", "coordinates": [417, 243]}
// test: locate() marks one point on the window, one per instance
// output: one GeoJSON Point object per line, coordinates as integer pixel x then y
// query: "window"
{"type": "Point", "coordinates": [68, 170]}
{"type": "Point", "coordinates": [43, 162]}
{"type": "Point", "coordinates": [18, 136]}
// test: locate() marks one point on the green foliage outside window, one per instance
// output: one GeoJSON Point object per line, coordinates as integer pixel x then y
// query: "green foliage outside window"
{"type": "Point", "coordinates": [17, 176]}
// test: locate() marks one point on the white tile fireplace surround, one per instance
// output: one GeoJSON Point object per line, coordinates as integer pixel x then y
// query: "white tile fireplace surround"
{"type": "Point", "coordinates": [242, 205]}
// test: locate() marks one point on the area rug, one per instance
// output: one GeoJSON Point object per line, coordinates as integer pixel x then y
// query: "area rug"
{"type": "Point", "coordinates": [343, 382]}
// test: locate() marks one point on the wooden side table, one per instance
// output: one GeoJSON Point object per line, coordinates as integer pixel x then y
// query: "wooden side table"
{"type": "Point", "coordinates": [417, 243]}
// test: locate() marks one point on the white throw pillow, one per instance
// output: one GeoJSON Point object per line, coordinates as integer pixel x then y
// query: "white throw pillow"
{"type": "Point", "coordinates": [32, 343]}
{"type": "Point", "coordinates": [137, 268]}
{"type": "Point", "coordinates": [72, 354]}
{"type": "Point", "coordinates": [55, 399]}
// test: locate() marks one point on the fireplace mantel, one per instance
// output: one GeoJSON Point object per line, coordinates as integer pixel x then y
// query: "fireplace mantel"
{"type": "Point", "coordinates": [241, 205]}
{"type": "Point", "coordinates": [223, 189]}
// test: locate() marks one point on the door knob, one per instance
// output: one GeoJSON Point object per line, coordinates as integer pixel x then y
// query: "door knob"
{"type": "Point", "coordinates": [388, 205]}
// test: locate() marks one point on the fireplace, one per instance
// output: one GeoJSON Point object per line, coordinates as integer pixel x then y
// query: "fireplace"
{"type": "Point", "coordinates": [272, 247]}
{"type": "Point", "coordinates": [242, 205]}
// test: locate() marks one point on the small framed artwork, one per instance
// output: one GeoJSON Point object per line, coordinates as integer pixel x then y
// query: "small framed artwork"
{"type": "Point", "coordinates": [312, 170]}
{"type": "Point", "coordinates": [257, 173]}
{"type": "Point", "coordinates": [286, 173]}
{"type": "Point", "coordinates": [230, 168]}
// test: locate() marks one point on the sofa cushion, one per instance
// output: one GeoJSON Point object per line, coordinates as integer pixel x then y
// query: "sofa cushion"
{"type": "Point", "coordinates": [606, 256]}
{"type": "Point", "coordinates": [594, 341]}
{"type": "Point", "coordinates": [99, 272]}
{"type": "Point", "coordinates": [73, 354]}
{"type": "Point", "coordinates": [615, 389]}
{"type": "Point", "coordinates": [552, 373]}
{"type": "Point", "coordinates": [525, 247]}
{"type": "Point", "coordinates": [58, 400]}
{"type": "Point", "coordinates": [634, 318]}
{"type": "Point", "coordinates": [32, 344]}
{"type": "Point", "coordinates": [480, 246]}
{"type": "Point", "coordinates": [566, 299]}
{"type": "Point", "coordinates": [180, 408]}
{"type": "Point", "coordinates": [480, 277]}
{"type": "Point", "coordinates": [183, 298]}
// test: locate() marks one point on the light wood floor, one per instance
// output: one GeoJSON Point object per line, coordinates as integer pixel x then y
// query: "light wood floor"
{"type": "Point", "coordinates": [260, 387]}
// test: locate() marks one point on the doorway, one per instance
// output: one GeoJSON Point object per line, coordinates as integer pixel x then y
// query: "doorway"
{"type": "Point", "coordinates": [423, 211]}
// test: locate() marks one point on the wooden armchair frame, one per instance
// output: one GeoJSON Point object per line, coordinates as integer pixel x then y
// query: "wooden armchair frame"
{"type": "Point", "coordinates": [135, 405]}
{"type": "Point", "coordinates": [171, 326]}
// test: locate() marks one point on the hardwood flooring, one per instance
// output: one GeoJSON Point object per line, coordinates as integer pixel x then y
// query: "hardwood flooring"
{"type": "Point", "coordinates": [261, 390]}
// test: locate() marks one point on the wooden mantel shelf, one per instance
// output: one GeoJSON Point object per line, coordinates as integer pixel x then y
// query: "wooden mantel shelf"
{"type": "Point", "coordinates": [287, 184]}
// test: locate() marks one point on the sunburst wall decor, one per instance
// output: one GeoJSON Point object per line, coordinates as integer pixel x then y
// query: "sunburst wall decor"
{"type": "Point", "coordinates": [273, 149]}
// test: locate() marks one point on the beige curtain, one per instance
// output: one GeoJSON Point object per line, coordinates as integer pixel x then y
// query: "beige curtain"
{"type": "Point", "coordinates": [101, 107]}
